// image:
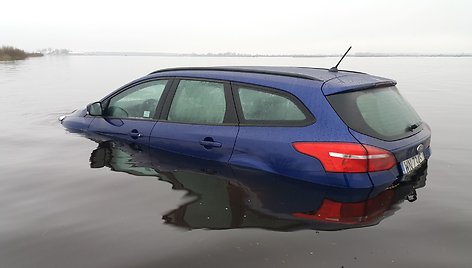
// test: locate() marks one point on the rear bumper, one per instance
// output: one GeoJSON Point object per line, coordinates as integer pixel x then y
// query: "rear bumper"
{"type": "Point", "coordinates": [388, 177]}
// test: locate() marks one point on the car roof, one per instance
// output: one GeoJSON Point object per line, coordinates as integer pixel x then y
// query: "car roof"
{"type": "Point", "coordinates": [340, 81]}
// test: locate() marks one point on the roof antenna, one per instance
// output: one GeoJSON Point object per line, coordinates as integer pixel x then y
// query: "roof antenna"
{"type": "Point", "coordinates": [335, 68]}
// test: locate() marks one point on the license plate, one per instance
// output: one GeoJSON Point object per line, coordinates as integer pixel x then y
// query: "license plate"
{"type": "Point", "coordinates": [412, 163]}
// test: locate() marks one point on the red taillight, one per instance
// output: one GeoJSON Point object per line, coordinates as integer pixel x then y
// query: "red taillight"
{"type": "Point", "coordinates": [351, 213]}
{"type": "Point", "coordinates": [347, 157]}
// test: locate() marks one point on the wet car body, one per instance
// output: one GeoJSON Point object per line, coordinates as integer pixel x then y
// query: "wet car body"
{"type": "Point", "coordinates": [318, 97]}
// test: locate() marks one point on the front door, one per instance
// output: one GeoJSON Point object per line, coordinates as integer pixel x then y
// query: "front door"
{"type": "Point", "coordinates": [132, 113]}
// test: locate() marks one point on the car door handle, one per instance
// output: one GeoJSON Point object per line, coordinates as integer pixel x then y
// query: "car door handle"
{"type": "Point", "coordinates": [135, 134]}
{"type": "Point", "coordinates": [209, 143]}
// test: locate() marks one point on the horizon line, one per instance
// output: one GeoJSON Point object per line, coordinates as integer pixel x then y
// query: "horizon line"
{"type": "Point", "coordinates": [234, 54]}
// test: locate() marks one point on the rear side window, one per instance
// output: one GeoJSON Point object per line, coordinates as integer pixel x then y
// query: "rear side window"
{"type": "Point", "coordinates": [198, 102]}
{"type": "Point", "coordinates": [381, 113]}
{"type": "Point", "coordinates": [267, 107]}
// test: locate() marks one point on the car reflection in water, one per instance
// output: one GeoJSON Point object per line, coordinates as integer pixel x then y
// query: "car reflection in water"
{"type": "Point", "coordinates": [227, 197]}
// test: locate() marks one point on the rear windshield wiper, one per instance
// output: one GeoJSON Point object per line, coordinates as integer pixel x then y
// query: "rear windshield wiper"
{"type": "Point", "coordinates": [414, 126]}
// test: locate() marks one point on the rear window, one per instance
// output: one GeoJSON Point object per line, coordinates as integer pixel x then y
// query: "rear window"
{"type": "Point", "coordinates": [380, 112]}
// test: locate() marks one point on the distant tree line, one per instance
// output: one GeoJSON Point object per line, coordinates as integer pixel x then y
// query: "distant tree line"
{"type": "Point", "coordinates": [54, 51]}
{"type": "Point", "coordinates": [11, 53]}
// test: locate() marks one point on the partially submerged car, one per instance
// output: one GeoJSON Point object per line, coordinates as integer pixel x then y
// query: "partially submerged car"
{"type": "Point", "coordinates": [338, 128]}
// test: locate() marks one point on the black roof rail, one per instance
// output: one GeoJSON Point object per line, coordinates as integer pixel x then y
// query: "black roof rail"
{"type": "Point", "coordinates": [242, 70]}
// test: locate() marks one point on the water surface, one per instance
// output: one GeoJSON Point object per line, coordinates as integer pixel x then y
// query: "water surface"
{"type": "Point", "coordinates": [57, 211]}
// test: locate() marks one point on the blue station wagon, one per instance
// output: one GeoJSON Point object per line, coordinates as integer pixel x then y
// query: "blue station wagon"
{"type": "Point", "coordinates": [339, 128]}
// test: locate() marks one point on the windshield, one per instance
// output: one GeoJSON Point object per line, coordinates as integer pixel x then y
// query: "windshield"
{"type": "Point", "coordinates": [380, 112]}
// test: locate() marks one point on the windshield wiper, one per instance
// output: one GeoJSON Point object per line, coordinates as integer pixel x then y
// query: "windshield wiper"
{"type": "Point", "coordinates": [414, 126]}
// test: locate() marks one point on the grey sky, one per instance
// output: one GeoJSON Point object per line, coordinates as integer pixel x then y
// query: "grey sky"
{"type": "Point", "coordinates": [266, 27]}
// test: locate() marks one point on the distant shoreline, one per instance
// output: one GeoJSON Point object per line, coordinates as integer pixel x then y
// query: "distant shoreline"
{"type": "Point", "coordinates": [367, 55]}
{"type": "Point", "coordinates": [8, 53]}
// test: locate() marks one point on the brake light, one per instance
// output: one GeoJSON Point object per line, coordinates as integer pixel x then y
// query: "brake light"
{"type": "Point", "coordinates": [347, 157]}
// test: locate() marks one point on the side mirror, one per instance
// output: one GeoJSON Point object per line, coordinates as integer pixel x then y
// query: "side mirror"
{"type": "Point", "coordinates": [95, 109]}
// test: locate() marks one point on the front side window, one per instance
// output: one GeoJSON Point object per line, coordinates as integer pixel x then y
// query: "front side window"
{"type": "Point", "coordinates": [137, 102]}
{"type": "Point", "coordinates": [267, 106]}
{"type": "Point", "coordinates": [198, 102]}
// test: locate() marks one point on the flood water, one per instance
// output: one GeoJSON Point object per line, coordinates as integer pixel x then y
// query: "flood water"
{"type": "Point", "coordinates": [69, 201]}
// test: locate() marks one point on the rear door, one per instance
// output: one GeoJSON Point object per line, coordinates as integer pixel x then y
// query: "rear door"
{"type": "Point", "coordinates": [270, 121]}
{"type": "Point", "coordinates": [132, 113]}
{"type": "Point", "coordinates": [198, 119]}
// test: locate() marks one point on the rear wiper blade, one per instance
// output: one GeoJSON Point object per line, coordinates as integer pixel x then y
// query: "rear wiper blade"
{"type": "Point", "coordinates": [414, 126]}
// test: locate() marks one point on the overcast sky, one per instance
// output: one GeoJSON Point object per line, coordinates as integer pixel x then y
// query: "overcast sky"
{"type": "Point", "coordinates": [265, 27]}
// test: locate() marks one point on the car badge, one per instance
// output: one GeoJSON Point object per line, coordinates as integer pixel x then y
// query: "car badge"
{"type": "Point", "coordinates": [420, 148]}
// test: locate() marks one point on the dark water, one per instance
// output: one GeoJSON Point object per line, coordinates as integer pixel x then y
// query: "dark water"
{"type": "Point", "coordinates": [57, 211]}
